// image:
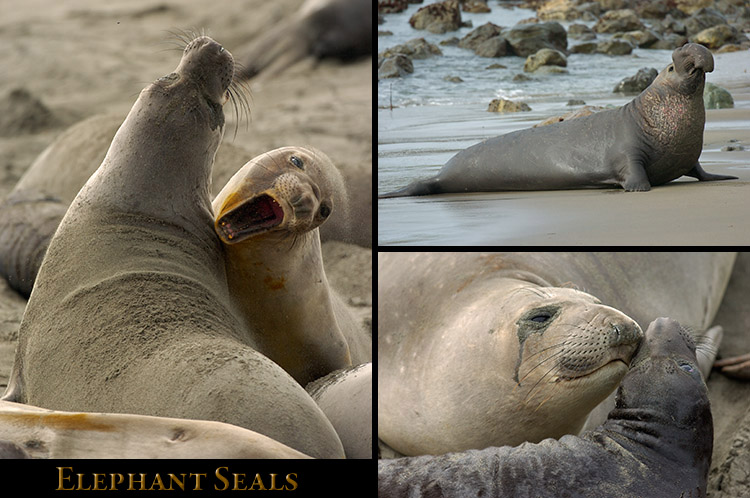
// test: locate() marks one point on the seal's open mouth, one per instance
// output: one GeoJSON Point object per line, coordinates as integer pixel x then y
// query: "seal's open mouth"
{"type": "Point", "coordinates": [257, 215]}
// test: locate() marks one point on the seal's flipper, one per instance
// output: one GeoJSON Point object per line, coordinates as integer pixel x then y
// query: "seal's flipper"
{"type": "Point", "coordinates": [419, 187]}
{"type": "Point", "coordinates": [737, 367]}
{"type": "Point", "coordinates": [699, 173]}
{"type": "Point", "coordinates": [706, 349]}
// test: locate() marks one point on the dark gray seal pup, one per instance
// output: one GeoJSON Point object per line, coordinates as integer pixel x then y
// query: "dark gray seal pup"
{"type": "Point", "coordinates": [656, 442]}
{"type": "Point", "coordinates": [340, 29]}
{"type": "Point", "coordinates": [653, 139]}
{"type": "Point", "coordinates": [130, 312]}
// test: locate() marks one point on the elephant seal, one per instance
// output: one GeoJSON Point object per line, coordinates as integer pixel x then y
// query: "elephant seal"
{"type": "Point", "coordinates": [44, 433]}
{"type": "Point", "coordinates": [654, 139]}
{"type": "Point", "coordinates": [656, 442]}
{"type": "Point", "coordinates": [339, 29]}
{"type": "Point", "coordinates": [267, 216]}
{"type": "Point", "coordinates": [479, 350]}
{"type": "Point", "coordinates": [345, 396]}
{"type": "Point", "coordinates": [130, 311]}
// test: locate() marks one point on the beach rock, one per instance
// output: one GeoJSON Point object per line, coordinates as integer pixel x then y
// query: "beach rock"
{"type": "Point", "coordinates": [494, 47]}
{"type": "Point", "coordinates": [703, 19]}
{"type": "Point", "coordinates": [496, 66]}
{"type": "Point", "coordinates": [395, 66]}
{"type": "Point", "coordinates": [479, 35]}
{"type": "Point", "coordinates": [417, 48]}
{"type": "Point", "coordinates": [716, 36]}
{"type": "Point", "coordinates": [544, 57]}
{"type": "Point", "coordinates": [652, 10]}
{"type": "Point", "coordinates": [732, 148]}
{"type": "Point", "coordinates": [618, 20]}
{"type": "Point", "coordinates": [614, 47]}
{"type": "Point", "coordinates": [521, 78]}
{"type": "Point", "coordinates": [392, 6]}
{"type": "Point", "coordinates": [671, 25]}
{"type": "Point", "coordinates": [453, 79]}
{"type": "Point", "coordinates": [690, 6]}
{"type": "Point", "coordinates": [503, 105]}
{"type": "Point", "coordinates": [716, 97]}
{"type": "Point", "coordinates": [558, 10]}
{"type": "Point", "coordinates": [584, 48]}
{"type": "Point", "coordinates": [475, 6]}
{"type": "Point", "coordinates": [450, 42]}
{"type": "Point", "coordinates": [638, 82]}
{"type": "Point", "coordinates": [573, 102]}
{"type": "Point", "coordinates": [640, 38]}
{"type": "Point", "coordinates": [578, 113]}
{"type": "Point", "coordinates": [528, 39]}
{"type": "Point", "coordinates": [581, 32]}
{"type": "Point", "coordinates": [437, 17]}
{"type": "Point", "coordinates": [669, 42]}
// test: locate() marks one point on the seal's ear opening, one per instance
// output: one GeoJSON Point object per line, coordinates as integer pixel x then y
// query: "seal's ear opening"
{"type": "Point", "coordinates": [257, 215]}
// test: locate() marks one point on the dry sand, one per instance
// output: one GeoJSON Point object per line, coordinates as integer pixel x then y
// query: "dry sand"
{"type": "Point", "coordinates": [86, 57]}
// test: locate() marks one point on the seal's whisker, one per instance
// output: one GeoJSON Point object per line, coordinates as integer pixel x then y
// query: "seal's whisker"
{"type": "Point", "coordinates": [528, 395]}
{"type": "Point", "coordinates": [550, 357]}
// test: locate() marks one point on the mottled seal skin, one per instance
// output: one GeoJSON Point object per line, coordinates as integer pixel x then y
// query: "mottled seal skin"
{"type": "Point", "coordinates": [130, 312]}
{"type": "Point", "coordinates": [450, 327]}
{"type": "Point", "coordinates": [267, 216]}
{"type": "Point", "coordinates": [345, 396]}
{"type": "Point", "coordinates": [39, 433]}
{"type": "Point", "coordinates": [656, 442]}
{"type": "Point", "coordinates": [339, 29]}
{"type": "Point", "coordinates": [654, 139]}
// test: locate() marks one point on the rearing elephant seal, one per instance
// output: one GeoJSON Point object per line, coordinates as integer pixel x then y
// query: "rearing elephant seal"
{"type": "Point", "coordinates": [130, 311]}
{"type": "Point", "coordinates": [655, 138]}
{"type": "Point", "coordinates": [268, 216]}
{"type": "Point", "coordinates": [479, 350]}
{"type": "Point", "coordinates": [656, 442]}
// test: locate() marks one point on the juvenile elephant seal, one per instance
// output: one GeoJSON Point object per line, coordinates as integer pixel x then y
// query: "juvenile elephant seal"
{"type": "Point", "coordinates": [479, 350]}
{"type": "Point", "coordinates": [268, 216]}
{"type": "Point", "coordinates": [130, 312]}
{"type": "Point", "coordinates": [320, 28]}
{"type": "Point", "coordinates": [44, 433]}
{"type": "Point", "coordinates": [656, 442]}
{"type": "Point", "coordinates": [654, 139]}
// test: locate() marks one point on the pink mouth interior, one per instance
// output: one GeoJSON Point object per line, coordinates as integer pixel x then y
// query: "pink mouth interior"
{"type": "Point", "coordinates": [254, 216]}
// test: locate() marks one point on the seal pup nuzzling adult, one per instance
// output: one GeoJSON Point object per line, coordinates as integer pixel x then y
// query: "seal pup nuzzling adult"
{"type": "Point", "coordinates": [339, 29]}
{"type": "Point", "coordinates": [461, 351]}
{"type": "Point", "coordinates": [268, 216]}
{"type": "Point", "coordinates": [655, 138]}
{"type": "Point", "coordinates": [656, 442]}
{"type": "Point", "coordinates": [130, 312]}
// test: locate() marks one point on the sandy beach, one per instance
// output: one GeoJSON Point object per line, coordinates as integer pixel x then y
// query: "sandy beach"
{"type": "Point", "coordinates": [81, 58]}
{"type": "Point", "coordinates": [683, 212]}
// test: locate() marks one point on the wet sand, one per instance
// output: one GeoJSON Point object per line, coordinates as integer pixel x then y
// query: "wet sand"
{"type": "Point", "coordinates": [684, 212]}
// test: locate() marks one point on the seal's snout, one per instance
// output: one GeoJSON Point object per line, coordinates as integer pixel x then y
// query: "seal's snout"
{"type": "Point", "coordinates": [693, 57]}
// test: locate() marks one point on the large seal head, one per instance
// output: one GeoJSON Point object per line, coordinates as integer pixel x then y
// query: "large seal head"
{"type": "Point", "coordinates": [268, 216]}
{"type": "Point", "coordinates": [505, 358]}
{"type": "Point", "coordinates": [130, 312]}
{"type": "Point", "coordinates": [657, 441]}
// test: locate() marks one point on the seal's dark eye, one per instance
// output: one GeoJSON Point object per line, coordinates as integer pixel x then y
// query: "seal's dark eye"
{"type": "Point", "coordinates": [540, 318]}
{"type": "Point", "coordinates": [686, 366]}
{"type": "Point", "coordinates": [297, 162]}
{"type": "Point", "coordinates": [325, 211]}
{"type": "Point", "coordinates": [671, 68]}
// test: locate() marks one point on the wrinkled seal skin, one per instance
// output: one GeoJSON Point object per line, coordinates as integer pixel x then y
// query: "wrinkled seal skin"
{"type": "Point", "coordinates": [657, 442]}
{"type": "Point", "coordinates": [130, 311]}
{"type": "Point", "coordinates": [267, 216]}
{"type": "Point", "coordinates": [339, 29]}
{"type": "Point", "coordinates": [448, 338]}
{"type": "Point", "coordinates": [652, 140]}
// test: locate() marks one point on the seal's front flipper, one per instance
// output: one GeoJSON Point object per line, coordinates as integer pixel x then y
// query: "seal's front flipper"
{"type": "Point", "coordinates": [737, 367]}
{"type": "Point", "coordinates": [699, 173]}
{"type": "Point", "coordinates": [706, 349]}
{"type": "Point", "coordinates": [635, 179]}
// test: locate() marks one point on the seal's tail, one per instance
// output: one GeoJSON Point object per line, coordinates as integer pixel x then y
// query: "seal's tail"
{"type": "Point", "coordinates": [419, 187]}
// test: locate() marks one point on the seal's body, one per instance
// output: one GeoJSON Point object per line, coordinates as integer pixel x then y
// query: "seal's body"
{"type": "Point", "coordinates": [268, 216]}
{"type": "Point", "coordinates": [656, 442]}
{"type": "Point", "coordinates": [130, 312]}
{"type": "Point", "coordinates": [654, 139]}
{"type": "Point", "coordinates": [479, 350]}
